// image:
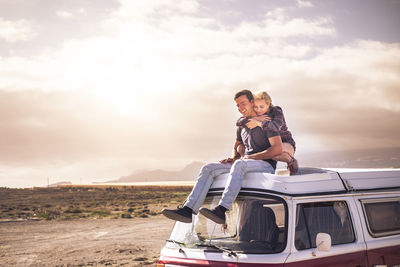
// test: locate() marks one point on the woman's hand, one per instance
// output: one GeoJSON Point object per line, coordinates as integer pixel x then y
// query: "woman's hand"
{"type": "Point", "coordinates": [262, 118]}
{"type": "Point", "coordinates": [253, 124]}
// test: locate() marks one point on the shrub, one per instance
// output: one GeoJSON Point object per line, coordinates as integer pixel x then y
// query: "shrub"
{"type": "Point", "coordinates": [126, 216]}
{"type": "Point", "coordinates": [75, 210]}
{"type": "Point", "coordinates": [101, 213]}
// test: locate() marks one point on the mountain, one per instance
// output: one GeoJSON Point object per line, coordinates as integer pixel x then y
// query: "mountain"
{"type": "Point", "coordinates": [59, 183]}
{"type": "Point", "coordinates": [188, 173]}
{"type": "Point", "coordinates": [367, 158]}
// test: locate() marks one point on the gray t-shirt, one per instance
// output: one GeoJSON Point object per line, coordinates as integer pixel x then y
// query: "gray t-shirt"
{"type": "Point", "coordinates": [255, 140]}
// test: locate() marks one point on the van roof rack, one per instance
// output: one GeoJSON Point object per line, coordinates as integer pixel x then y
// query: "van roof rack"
{"type": "Point", "coordinates": [317, 181]}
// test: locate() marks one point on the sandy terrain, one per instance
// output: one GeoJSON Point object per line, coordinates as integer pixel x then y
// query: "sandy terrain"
{"type": "Point", "coordinates": [84, 242]}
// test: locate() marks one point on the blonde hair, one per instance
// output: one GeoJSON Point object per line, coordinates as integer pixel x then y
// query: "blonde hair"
{"type": "Point", "coordinates": [263, 96]}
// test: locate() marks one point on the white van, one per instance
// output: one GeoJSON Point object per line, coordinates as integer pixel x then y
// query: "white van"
{"type": "Point", "coordinates": [321, 217]}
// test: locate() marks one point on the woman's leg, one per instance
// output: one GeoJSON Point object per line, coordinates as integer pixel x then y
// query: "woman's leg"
{"type": "Point", "coordinates": [287, 153]}
{"type": "Point", "coordinates": [287, 156]}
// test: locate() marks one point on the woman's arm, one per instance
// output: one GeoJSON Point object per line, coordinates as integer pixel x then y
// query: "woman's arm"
{"type": "Point", "coordinates": [277, 120]}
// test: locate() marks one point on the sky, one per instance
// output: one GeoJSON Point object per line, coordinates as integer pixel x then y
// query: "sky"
{"type": "Point", "coordinates": [94, 90]}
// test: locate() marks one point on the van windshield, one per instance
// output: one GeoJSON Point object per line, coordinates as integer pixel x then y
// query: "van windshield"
{"type": "Point", "coordinates": [253, 225]}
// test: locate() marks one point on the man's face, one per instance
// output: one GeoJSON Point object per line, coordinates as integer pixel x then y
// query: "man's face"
{"type": "Point", "coordinates": [245, 107]}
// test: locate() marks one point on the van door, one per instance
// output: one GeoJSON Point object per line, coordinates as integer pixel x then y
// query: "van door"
{"type": "Point", "coordinates": [331, 216]}
{"type": "Point", "coordinates": [381, 219]}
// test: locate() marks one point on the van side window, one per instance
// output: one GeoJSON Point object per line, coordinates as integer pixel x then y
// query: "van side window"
{"type": "Point", "coordinates": [383, 216]}
{"type": "Point", "coordinates": [332, 218]}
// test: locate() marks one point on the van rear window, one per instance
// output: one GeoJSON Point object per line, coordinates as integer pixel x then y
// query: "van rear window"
{"type": "Point", "coordinates": [383, 216]}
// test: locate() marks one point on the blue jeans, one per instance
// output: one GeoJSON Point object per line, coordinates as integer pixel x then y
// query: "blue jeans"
{"type": "Point", "coordinates": [237, 170]}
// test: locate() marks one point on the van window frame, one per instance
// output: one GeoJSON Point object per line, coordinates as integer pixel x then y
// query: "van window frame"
{"type": "Point", "coordinates": [377, 200]}
{"type": "Point", "coordinates": [248, 192]}
{"type": "Point", "coordinates": [299, 205]}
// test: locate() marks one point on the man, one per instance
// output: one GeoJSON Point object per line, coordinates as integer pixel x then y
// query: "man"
{"type": "Point", "coordinates": [260, 147]}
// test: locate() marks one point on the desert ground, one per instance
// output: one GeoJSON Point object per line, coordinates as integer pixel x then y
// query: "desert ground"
{"type": "Point", "coordinates": [68, 226]}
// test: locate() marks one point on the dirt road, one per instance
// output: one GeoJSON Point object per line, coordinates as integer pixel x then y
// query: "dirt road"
{"type": "Point", "coordinates": [112, 242]}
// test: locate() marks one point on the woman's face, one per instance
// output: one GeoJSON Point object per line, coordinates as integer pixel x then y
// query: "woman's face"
{"type": "Point", "coordinates": [260, 106]}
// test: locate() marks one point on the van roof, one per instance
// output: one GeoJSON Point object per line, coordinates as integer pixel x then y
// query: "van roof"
{"type": "Point", "coordinates": [316, 181]}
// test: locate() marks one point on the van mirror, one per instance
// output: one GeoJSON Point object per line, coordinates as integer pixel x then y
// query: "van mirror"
{"type": "Point", "coordinates": [323, 242]}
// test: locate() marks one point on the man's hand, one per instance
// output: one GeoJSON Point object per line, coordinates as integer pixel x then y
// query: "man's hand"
{"type": "Point", "coordinates": [250, 157]}
{"type": "Point", "coordinates": [253, 124]}
{"type": "Point", "coordinates": [227, 161]}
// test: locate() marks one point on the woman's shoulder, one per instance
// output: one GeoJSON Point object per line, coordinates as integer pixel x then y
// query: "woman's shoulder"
{"type": "Point", "coordinates": [275, 110]}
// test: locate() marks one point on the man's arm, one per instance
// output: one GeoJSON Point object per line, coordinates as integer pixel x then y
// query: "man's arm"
{"type": "Point", "coordinates": [235, 153]}
{"type": "Point", "coordinates": [274, 150]}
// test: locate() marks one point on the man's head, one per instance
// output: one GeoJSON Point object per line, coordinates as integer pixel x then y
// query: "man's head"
{"type": "Point", "coordinates": [244, 101]}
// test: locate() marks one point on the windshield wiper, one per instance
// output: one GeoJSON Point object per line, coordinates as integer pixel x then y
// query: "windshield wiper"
{"type": "Point", "coordinates": [177, 243]}
{"type": "Point", "coordinates": [229, 251]}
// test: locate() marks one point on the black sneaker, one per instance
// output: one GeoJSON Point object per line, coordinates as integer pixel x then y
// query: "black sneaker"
{"type": "Point", "coordinates": [180, 214]}
{"type": "Point", "coordinates": [216, 214]}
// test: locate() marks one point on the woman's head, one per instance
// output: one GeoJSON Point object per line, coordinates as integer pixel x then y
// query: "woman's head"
{"type": "Point", "coordinates": [262, 102]}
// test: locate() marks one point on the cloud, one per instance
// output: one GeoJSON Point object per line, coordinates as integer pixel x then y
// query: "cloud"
{"type": "Point", "coordinates": [347, 97]}
{"type": "Point", "coordinates": [155, 88]}
{"type": "Point", "coordinates": [62, 127]}
{"type": "Point", "coordinates": [145, 44]}
{"type": "Point", "coordinates": [64, 14]}
{"type": "Point", "coordinates": [301, 3]}
{"type": "Point", "coordinates": [15, 31]}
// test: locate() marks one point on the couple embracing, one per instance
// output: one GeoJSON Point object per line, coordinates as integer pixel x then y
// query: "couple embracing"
{"type": "Point", "coordinates": [262, 139]}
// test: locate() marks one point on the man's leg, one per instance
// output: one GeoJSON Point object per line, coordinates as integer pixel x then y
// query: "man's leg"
{"type": "Point", "coordinates": [199, 192]}
{"type": "Point", "coordinates": [234, 183]}
{"type": "Point", "coordinates": [205, 179]}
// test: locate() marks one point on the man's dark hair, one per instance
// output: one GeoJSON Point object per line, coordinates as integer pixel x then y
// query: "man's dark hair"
{"type": "Point", "coordinates": [247, 93]}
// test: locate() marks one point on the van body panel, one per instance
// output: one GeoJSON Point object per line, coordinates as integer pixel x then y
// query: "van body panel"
{"type": "Point", "coordinates": [174, 261]}
{"type": "Point", "coordinates": [367, 180]}
{"type": "Point", "coordinates": [386, 255]}
{"type": "Point", "coordinates": [351, 254]}
{"type": "Point", "coordinates": [348, 252]}
{"type": "Point", "coordinates": [341, 259]}
{"type": "Point", "coordinates": [326, 181]}
{"type": "Point", "coordinates": [185, 253]}
{"type": "Point", "coordinates": [383, 249]}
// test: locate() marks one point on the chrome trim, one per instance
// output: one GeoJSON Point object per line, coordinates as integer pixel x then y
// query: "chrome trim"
{"type": "Point", "coordinates": [349, 195]}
